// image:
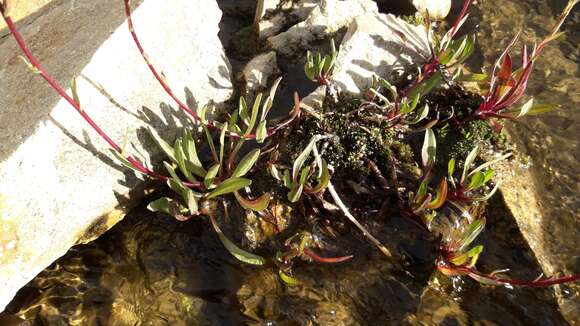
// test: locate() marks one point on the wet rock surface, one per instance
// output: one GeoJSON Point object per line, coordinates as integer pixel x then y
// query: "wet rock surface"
{"type": "Point", "coordinates": [152, 269]}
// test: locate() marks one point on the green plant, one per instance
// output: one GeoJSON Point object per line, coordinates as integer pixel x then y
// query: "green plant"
{"type": "Point", "coordinates": [206, 181]}
{"type": "Point", "coordinates": [318, 68]}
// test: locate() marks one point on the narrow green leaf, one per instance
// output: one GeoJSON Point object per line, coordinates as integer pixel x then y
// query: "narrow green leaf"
{"type": "Point", "coordinates": [295, 192]}
{"type": "Point", "coordinates": [287, 179]}
{"type": "Point", "coordinates": [304, 174]}
{"type": "Point", "coordinates": [287, 279]}
{"type": "Point", "coordinates": [421, 115]}
{"type": "Point", "coordinates": [476, 181]}
{"type": "Point", "coordinates": [124, 161]}
{"type": "Point", "coordinates": [192, 159]}
{"type": "Point", "coordinates": [229, 186]}
{"type": "Point", "coordinates": [451, 168]}
{"type": "Point", "coordinates": [440, 195]}
{"type": "Point", "coordinates": [256, 205]}
{"type": "Point", "coordinates": [474, 253]}
{"type": "Point", "coordinates": [223, 142]}
{"type": "Point", "coordinates": [487, 164]}
{"type": "Point", "coordinates": [201, 112]}
{"type": "Point", "coordinates": [323, 180]}
{"type": "Point", "coordinates": [211, 144]}
{"type": "Point", "coordinates": [192, 204]}
{"type": "Point", "coordinates": [168, 206]}
{"type": "Point", "coordinates": [487, 175]}
{"type": "Point", "coordinates": [243, 110]}
{"type": "Point", "coordinates": [425, 87]}
{"type": "Point", "coordinates": [74, 91]}
{"type": "Point", "coordinates": [160, 205]}
{"type": "Point", "coordinates": [473, 230]}
{"type": "Point", "coordinates": [525, 109]}
{"type": "Point", "coordinates": [240, 254]}
{"type": "Point", "coordinates": [246, 163]}
{"type": "Point", "coordinates": [181, 161]}
{"type": "Point", "coordinates": [468, 162]}
{"type": "Point", "coordinates": [301, 159]}
{"type": "Point", "coordinates": [165, 147]}
{"type": "Point", "coordinates": [254, 116]}
{"type": "Point", "coordinates": [210, 176]}
{"type": "Point", "coordinates": [429, 150]}
{"type": "Point", "coordinates": [261, 132]}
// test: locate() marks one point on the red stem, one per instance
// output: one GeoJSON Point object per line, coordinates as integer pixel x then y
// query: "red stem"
{"type": "Point", "coordinates": [326, 260]}
{"type": "Point", "coordinates": [56, 86]}
{"type": "Point", "coordinates": [163, 83]}
{"type": "Point", "coordinates": [537, 283]}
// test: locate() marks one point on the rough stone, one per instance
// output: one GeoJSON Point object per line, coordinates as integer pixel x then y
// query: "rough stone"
{"type": "Point", "coordinates": [373, 46]}
{"type": "Point", "coordinates": [23, 8]}
{"type": "Point", "coordinates": [324, 20]}
{"type": "Point", "coordinates": [58, 184]}
{"type": "Point", "coordinates": [438, 9]}
{"type": "Point", "coordinates": [259, 71]}
{"type": "Point", "coordinates": [546, 235]}
{"type": "Point", "coordinates": [280, 14]}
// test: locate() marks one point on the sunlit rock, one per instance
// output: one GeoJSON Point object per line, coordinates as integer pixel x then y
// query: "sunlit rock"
{"type": "Point", "coordinates": [377, 44]}
{"type": "Point", "coordinates": [437, 9]}
{"type": "Point", "coordinates": [59, 184]}
{"type": "Point", "coordinates": [280, 14]}
{"type": "Point", "coordinates": [324, 20]}
{"type": "Point", "coordinates": [260, 70]}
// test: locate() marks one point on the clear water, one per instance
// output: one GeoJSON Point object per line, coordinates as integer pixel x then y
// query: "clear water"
{"type": "Point", "coordinates": [151, 270]}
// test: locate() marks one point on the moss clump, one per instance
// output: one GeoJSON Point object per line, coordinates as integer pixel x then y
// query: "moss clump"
{"type": "Point", "coordinates": [360, 137]}
{"type": "Point", "coordinates": [245, 42]}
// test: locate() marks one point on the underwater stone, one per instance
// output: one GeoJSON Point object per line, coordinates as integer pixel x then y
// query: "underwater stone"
{"type": "Point", "coordinates": [59, 184]}
{"type": "Point", "coordinates": [325, 19]}
{"type": "Point", "coordinates": [373, 46]}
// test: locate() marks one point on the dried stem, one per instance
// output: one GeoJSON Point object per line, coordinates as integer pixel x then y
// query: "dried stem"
{"type": "Point", "coordinates": [365, 232]}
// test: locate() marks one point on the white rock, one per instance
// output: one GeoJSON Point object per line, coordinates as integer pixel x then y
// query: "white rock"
{"type": "Point", "coordinates": [259, 70]}
{"type": "Point", "coordinates": [438, 9]}
{"type": "Point", "coordinates": [58, 184]}
{"type": "Point", "coordinates": [373, 46]}
{"type": "Point", "coordinates": [327, 18]}
{"type": "Point", "coordinates": [289, 12]}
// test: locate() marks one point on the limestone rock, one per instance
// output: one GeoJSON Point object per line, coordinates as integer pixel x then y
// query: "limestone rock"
{"type": "Point", "coordinates": [373, 46]}
{"type": "Point", "coordinates": [259, 70]}
{"type": "Point", "coordinates": [438, 9]}
{"type": "Point", "coordinates": [59, 185]}
{"type": "Point", "coordinates": [548, 236]}
{"type": "Point", "coordinates": [21, 9]}
{"type": "Point", "coordinates": [280, 14]}
{"type": "Point", "coordinates": [326, 18]}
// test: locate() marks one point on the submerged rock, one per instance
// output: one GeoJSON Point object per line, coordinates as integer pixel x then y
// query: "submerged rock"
{"type": "Point", "coordinates": [58, 186]}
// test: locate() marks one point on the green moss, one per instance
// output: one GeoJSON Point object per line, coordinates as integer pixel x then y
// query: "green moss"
{"type": "Point", "coordinates": [245, 42]}
{"type": "Point", "coordinates": [360, 138]}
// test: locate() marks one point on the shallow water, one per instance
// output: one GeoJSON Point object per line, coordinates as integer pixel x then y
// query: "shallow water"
{"type": "Point", "coordinates": [151, 270]}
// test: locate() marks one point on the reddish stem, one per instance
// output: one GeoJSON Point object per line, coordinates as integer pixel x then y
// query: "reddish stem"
{"type": "Point", "coordinates": [161, 79]}
{"type": "Point", "coordinates": [538, 283]}
{"type": "Point", "coordinates": [58, 88]}
{"type": "Point", "coordinates": [326, 260]}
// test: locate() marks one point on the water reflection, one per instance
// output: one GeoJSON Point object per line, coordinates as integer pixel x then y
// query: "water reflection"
{"type": "Point", "coordinates": [151, 270]}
